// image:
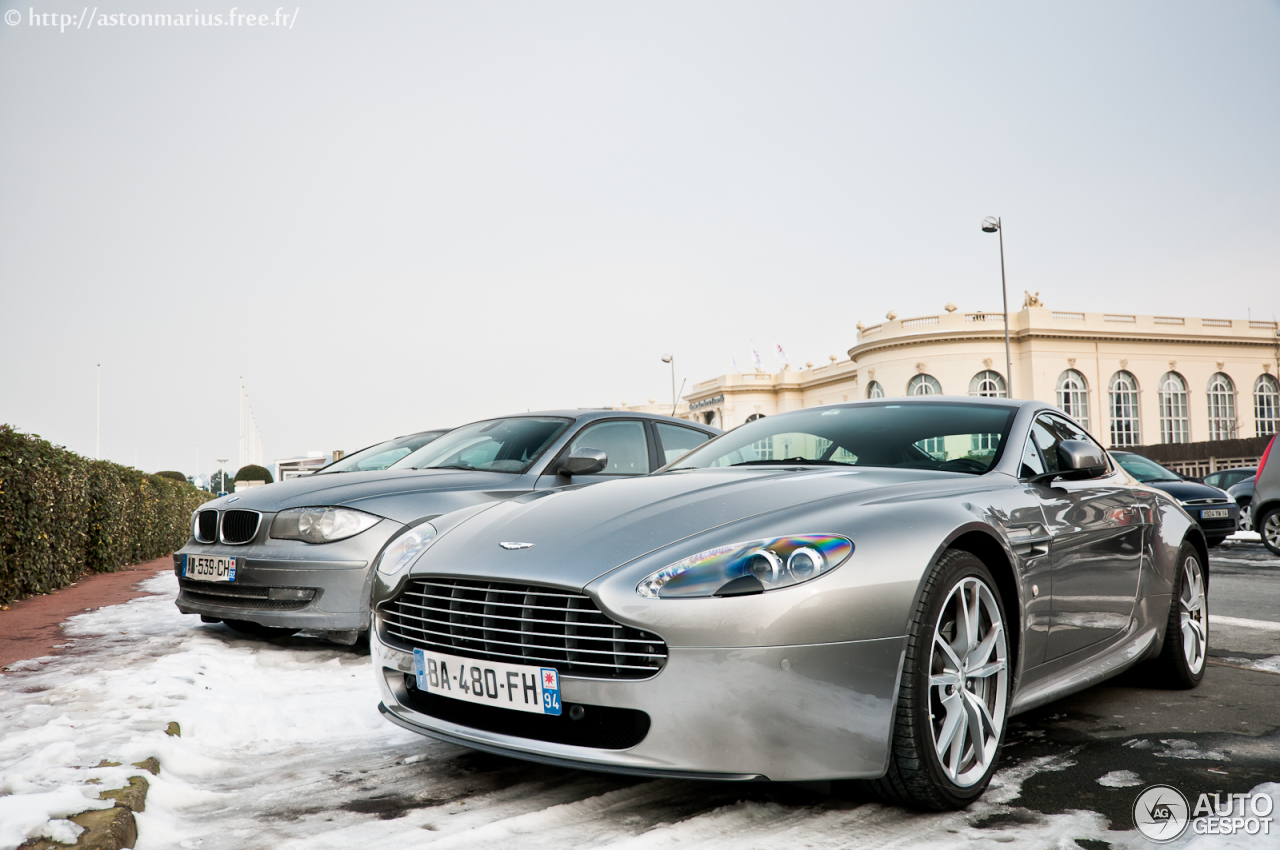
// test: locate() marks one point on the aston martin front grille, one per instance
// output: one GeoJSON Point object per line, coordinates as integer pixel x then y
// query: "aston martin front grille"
{"type": "Point", "coordinates": [519, 624]}
{"type": "Point", "coordinates": [240, 526]}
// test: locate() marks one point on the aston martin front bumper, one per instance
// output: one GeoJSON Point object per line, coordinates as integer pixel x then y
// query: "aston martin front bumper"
{"type": "Point", "coordinates": [784, 713]}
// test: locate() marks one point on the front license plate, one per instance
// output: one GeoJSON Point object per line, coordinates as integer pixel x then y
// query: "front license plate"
{"type": "Point", "coordinates": [208, 568]}
{"type": "Point", "coordinates": [1216, 513]}
{"type": "Point", "coordinates": [518, 686]}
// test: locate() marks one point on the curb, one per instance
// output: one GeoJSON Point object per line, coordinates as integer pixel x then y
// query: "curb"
{"type": "Point", "coordinates": [114, 828]}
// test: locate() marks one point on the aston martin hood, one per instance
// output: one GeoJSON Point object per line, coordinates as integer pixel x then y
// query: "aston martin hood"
{"type": "Point", "coordinates": [401, 494]}
{"type": "Point", "coordinates": [581, 533]}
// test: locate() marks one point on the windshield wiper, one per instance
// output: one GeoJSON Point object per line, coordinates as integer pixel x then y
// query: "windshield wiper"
{"type": "Point", "coordinates": [790, 460]}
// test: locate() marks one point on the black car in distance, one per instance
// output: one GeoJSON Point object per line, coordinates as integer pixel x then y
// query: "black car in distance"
{"type": "Point", "coordinates": [1215, 511]}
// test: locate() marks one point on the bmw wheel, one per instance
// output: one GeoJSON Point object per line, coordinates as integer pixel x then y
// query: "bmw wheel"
{"type": "Point", "coordinates": [954, 695]}
{"type": "Point", "coordinates": [1269, 528]}
{"type": "Point", "coordinates": [1186, 638]}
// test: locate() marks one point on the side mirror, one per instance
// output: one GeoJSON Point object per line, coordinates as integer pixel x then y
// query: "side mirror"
{"type": "Point", "coordinates": [1081, 457]}
{"type": "Point", "coordinates": [584, 462]}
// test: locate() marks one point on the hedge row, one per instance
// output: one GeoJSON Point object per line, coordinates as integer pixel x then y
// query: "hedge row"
{"type": "Point", "coordinates": [62, 515]}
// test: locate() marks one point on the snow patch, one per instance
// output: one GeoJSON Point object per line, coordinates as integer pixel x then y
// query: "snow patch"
{"type": "Point", "coordinates": [1119, 779]}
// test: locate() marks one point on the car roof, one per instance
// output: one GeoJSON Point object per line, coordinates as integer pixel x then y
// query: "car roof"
{"type": "Point", "coordinates": [587, 414]}
{"type": "Point", "coordinates": [439, 432]}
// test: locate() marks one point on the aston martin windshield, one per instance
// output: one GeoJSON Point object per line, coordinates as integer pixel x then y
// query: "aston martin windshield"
{"type": "Point", "coordinates": [950, 437]}
{"type": "Point", "coordinates": [498, 445]}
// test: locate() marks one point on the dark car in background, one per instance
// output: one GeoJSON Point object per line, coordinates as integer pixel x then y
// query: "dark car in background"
{"type": "Point", "coordinates": [382, 455]}
{"type": "Point", "coordinates": [1266, 500]}
{"type": "Point", "coordinates": [1209, 506]}
{"type": "Point", "coordinates": [298, 554]}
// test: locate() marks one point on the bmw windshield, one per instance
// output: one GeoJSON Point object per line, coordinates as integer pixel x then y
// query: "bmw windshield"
{"type": "Point", "coordinates": [949, 437]}
{"type": "Point", "coordinates": [497, 445]}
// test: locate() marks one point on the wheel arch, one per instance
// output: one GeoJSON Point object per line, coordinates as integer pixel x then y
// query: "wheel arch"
{"type": "Point", "coordinates": [980, 541]}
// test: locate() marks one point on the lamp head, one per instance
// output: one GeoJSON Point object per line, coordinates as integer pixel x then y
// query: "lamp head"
{"type": "Point", "coordinates": [990, 224]}
{"type": "Point", "coordinates": [667, 358]}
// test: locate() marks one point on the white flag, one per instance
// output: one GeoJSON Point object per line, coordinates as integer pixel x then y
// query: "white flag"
{"type": "Point", "coordinates": [734, 361]}
{"type": "Point", "coordinates": [783, 360]}
{"type": "Point", "coordinates": [755, 357]}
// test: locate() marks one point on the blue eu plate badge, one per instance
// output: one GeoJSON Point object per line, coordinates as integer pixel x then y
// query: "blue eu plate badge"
{"type": "Point", "coordinates": [550, 691]}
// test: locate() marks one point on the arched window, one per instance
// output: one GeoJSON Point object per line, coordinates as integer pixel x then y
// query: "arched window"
{"type": "Point", "coordinates": [1073, 396]}
{"type": "Point", "coordinates": [1222, 407]}
{"type": "Point", "coordinates": [924, 385]}
{"type": "Point", "coordinates": [874, 390]}
{"type": "Point", "coordinates": [762, 448]}
{"type": "Point", "coordinates": [988, 384]}
{"type": "Point", "coordinates": [1174, 425]}
{"type": "Point", "coordinates": [1266, 405]}
{"type": "Point", "coordinates": [1125, 430]}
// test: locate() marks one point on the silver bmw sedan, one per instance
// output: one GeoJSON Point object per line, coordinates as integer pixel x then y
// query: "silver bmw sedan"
{"type": "Point", "coordinates": [298, 554]}
{"type": "Point", "coordinates": [866, 591]}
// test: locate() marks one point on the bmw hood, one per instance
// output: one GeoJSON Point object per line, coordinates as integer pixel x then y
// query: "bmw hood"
{"type": "Point", "coordinates": [401, 494]}
{"type": "Point", "coordinates": [580, 533]}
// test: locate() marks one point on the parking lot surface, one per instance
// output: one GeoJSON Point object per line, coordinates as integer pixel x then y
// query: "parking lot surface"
{"type": "Point", "coordinates": [281, 746]}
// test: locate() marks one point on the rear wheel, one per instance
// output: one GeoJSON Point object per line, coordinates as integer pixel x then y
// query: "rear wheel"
{"type": "Point", "coordinates": [1186, 637]}
{"type": "Point", "coordinates": [954, 695]}
{"type": "Point", "coordinates": [1269, 528]}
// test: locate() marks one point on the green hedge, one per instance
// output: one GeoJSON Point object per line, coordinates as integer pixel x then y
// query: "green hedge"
{"type": "Point", "coordinates": [62, 515]}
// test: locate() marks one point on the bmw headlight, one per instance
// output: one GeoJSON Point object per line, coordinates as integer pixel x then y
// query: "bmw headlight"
{"type": "Point", "coordinates": [321, 525]}
{"type": "Point", "coordinates": [752, 567]}
{"type": "Point", "coordinates": [401, 552]}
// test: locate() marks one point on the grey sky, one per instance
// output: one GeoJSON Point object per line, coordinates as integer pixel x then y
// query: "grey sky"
{"type": "Point", "coordinates": [407, 215]}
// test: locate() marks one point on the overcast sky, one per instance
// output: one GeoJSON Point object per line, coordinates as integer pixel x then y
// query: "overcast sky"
{"type": "Point", "coordinates": [397, 216]}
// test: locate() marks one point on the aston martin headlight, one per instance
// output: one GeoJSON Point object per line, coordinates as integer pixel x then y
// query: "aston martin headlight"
{"type": "Point", "coordinates": [752, 567]}
{"type": "Point", "coordinates": [401, 552]}
{"type": "Point", "coordinates": [320, 525]}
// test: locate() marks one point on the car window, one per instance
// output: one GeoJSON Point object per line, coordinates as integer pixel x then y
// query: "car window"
{"type": "Point", "coordinates": [1145, 470]}
{"type": "Point", "coordinates": [1049, 431]}
{"type": "Point", "coordinates": [496, 445]}
{"type": "Point", "coordinates": [945, 436]}
{"type": "Point", "coordinates": [1031, 462]}
{"type": "Point", "coordinates": [381, 455]}
{"type": "Point", "coordinates": [676, 441]}
{"type": "Point", "coordinates": [1216, 479]}
{"type": "Point", "coordinates": [623, 442]}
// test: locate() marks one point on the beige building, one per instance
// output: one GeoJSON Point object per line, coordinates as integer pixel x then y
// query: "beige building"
{"type": "Point", "coordinates": [1131, 380]}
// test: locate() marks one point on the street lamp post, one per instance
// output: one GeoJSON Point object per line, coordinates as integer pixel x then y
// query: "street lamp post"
{"type": "Point", "coordinates": [671, 358]}
{"type": "Point", "coordinates": [992, 224]}
{"type": "Point", "coordinates": [222, 482]}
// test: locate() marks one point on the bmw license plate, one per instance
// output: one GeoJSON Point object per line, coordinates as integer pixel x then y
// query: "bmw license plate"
{"type": "Point", "coordinates": [1216, 513]}
{"type": "Point", "coordinates": [208, 568]}
{"type": "Point", "coordinates": [518, 686]}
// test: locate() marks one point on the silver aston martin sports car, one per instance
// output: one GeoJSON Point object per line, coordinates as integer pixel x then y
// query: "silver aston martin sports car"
{"type": "Point", "coordinates": [866, 590]}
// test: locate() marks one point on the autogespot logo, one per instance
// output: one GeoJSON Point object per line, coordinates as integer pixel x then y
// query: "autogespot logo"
{"type": "Point", "coordinates": [1160, 813]}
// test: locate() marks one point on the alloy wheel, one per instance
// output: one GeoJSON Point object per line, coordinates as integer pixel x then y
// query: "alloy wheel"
{"type": "Point", "coordinates": [1271, 530]}
{"type": "Point", "coordinates": [1194, 615]}
{"type": "Point", "coordinates": [1245, 523]}
{"type": "Point", "coordinates": [968, 682]}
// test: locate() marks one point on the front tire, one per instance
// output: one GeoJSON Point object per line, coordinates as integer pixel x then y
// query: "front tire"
{"type": "Point", "coordinates": [1269, 529]}
{"type": "Point", "coordinates": [953, 699]}
{"type": "Point", "coordinates": [1186, 638]}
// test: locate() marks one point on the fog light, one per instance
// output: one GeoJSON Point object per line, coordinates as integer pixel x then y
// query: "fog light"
{"type": "Point", "coordinates": [576, 712]}
{"type": "Point", "coordinates": [290, 594]}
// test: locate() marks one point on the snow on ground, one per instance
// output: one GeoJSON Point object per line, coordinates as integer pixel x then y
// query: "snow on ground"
{"type": "Point", "coordinates": [282, 746]}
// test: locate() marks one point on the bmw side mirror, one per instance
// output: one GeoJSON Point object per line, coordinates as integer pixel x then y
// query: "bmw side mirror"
{"type": "Point", "coordinates": [584, 462]}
